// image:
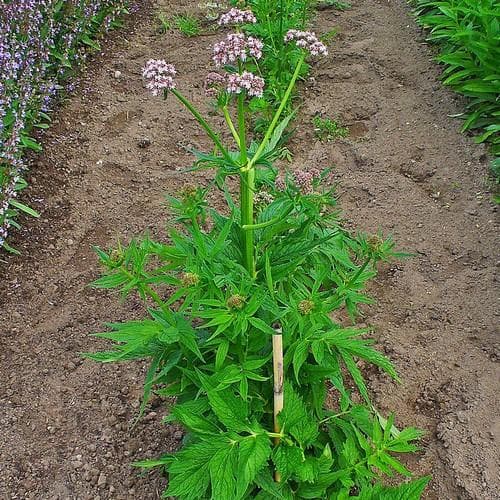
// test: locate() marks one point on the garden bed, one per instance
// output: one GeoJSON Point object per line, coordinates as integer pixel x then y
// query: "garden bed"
{"type": "Point", "coordinates": [108, 161]}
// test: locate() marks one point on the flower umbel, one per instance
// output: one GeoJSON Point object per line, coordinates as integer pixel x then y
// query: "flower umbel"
{"type": "Point", "coordinates": [159, 75]}
{"type": "Point", "coordinates": [305, 307]}
{"type": "Point", "coordinates": [252, 84]}
{"type": "Point", "coordinates": [307, 40]}
{"type": "Point", "coordinates": [237, 16]}
{"type": "Point", "coordinates": [263, 198]}
{"type": "Point", "coordinates": [236, 47]}
{"type": "Point", "coordinates": [213, 83]}
{"type": "Point", "coordinates": [304, 180]}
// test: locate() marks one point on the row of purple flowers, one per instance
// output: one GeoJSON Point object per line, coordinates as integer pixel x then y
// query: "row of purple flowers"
{"type": "Point", "coordinates": [42, 43]}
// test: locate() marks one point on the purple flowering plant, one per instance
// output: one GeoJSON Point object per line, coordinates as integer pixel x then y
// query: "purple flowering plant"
{"type": "Point", "coordinates": [42, 43]}
{"type": "Point", "coordinates": [244, 311]}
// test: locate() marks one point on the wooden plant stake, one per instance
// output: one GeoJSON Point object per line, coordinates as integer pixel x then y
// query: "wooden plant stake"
{"type": "Point", "coordinates": [278, 387]}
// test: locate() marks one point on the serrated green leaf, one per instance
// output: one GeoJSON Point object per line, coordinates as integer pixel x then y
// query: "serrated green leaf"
{"type": "Point", "coordinates": [192, 421]}
{"type": "Point", "coordinates": [254, 452]}
{"type": "Point", "coordinates": [222, 472]}
{"type": "Point", "coordinates": [294, 419]}
{"type": "Point", "coordinates": [261, 325]}
{"type": "Point", "coordinates": [287, 459]}
{"type": "Point", "coordinates": [148, 385]}
{"type": "Point", "coordinates": [231, 410]}
{"type": "Point", "coordinates": [318, 351]}
{"type": "Point", "coordinates": [187, 336]}
{"type": "Point", "coordinates": [189, 475]}
{"type": "Point", "coordinates": [299, 357]}
{"type": "Point", "coordinates": [111, 280]}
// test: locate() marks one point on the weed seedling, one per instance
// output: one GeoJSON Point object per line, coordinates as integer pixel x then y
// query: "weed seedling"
{"type": "Point", "coordinates": [164, 25]}
{"type": "Point", "coordinates": [327, 129]}
{"type": "Point", "coordinates": [329, 36]}
{"type": "Point", "coordinates": [188, 25]}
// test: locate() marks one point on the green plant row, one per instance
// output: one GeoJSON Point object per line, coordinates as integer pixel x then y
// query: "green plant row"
{"type": "Point", "coordinates": [468, 35]}
{"type": "Point", "coordinates": [42, 45]}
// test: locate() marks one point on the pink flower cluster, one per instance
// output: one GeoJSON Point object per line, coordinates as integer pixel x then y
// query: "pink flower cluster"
{"type": "Point", "coordinates": [307, 40]}
{"type": "Point", "coordinates": [213, 83]}
{"type": "Point", "coordinates": [159, 75]}
{"type": "Point", "coordinates": [303, 179]}
{"type": "Point", "coordinates": [254, 85]}
{"type": "Point", "coordinates": [236, 46]}
{"type": "Point", "coordinates": [237, 16]}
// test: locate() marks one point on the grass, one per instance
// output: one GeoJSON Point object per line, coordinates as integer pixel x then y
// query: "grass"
{"type": "Point", "coordinates": [188, 25]}
{"type": "Point", "coordinates": [327, 129]}
{"type": "Point", "coordinates": [164, 25]}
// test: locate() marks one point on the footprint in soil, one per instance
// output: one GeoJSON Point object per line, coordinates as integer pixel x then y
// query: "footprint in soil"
{"type": "Point", "coordinates": [117, 123]}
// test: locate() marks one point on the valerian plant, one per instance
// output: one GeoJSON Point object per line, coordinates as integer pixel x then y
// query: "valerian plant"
{"type": "Point", "coordinates": [240, 324]}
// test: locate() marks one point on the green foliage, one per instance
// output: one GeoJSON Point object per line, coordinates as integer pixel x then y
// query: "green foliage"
{"type": "Point", "coordinates": [327, 129]}
{"type": "Point", "coordinates": [187, 24]}
{"type": "Point", "coordinates": [468, 34]}
{"type": "Point", "coordinates": [218, 289]}
{"type": "Point", "coordinates": [60, 35]}
{"type": "Point", "coordinates": [219, 369]}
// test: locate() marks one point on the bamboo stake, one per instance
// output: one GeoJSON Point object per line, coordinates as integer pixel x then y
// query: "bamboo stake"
{"type": "Point", "coordinates": [278, 387]}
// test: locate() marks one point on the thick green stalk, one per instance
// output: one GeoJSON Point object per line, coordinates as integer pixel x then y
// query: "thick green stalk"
{"type": "Point", "coordinates": [247, 187]}
{"type": "Point", "coordinates": [277, 115]}
{"type": "Point", "coordinates": [242, 130]}
{"type": "Point", "coordinates": [215, 138]}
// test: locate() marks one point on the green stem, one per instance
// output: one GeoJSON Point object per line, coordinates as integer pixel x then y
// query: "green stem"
{"type": "Point", "coordinates": [242, 130]}
{"type": "Point", "coordinates": [277, 115]}
{"type": "Point", "coordinates": [262, 225]}
{"type": "Point", "coordinates": [334, 416]}
{"type": "Point", "coordinates": [247, 188]}
{"type": "Point", "coordinates": [148, 291]}
{"type": "Point", "coordinates": [270, 31]}
{"type": "Point", "coordinates": [360, 270]}
{"type": "Point", "coordinates": [275, 434]}
{"type": "Point", "coordinates": [230, 124]}
{"type": "Point", "coordinates": [204, 124]}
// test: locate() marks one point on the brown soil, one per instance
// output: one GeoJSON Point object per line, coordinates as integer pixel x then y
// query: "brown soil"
{"type": "Point", "coordinates": [108, 161]}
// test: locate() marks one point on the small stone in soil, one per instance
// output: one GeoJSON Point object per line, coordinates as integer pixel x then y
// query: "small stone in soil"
{"type": "Point", "coordinates": [144, 142]}
{"type": "Point", "coordinates": [102, 480]}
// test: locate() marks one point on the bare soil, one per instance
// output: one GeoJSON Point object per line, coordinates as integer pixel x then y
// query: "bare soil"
{"type": "Point", "coordinates": [110, 158]}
